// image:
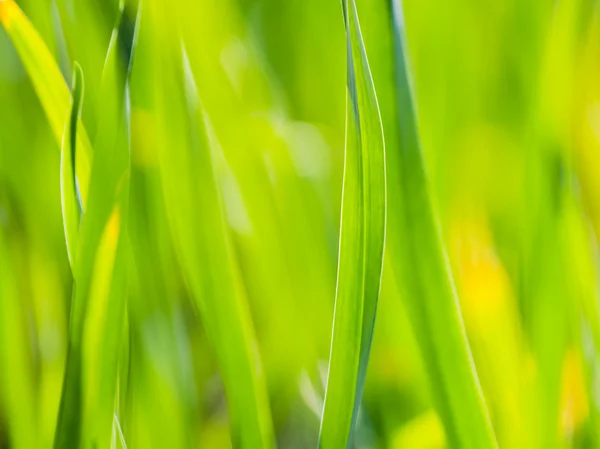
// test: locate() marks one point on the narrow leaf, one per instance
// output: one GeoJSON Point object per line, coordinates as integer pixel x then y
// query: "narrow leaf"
{"type": "Point", "coordinates": [71, 205]}
{"type": "Point", "coordinates": [362, 236]}
{"type": "Point", "coordinates": [419, 259]}
{"type": "Point", "coordinates": [101, 275]}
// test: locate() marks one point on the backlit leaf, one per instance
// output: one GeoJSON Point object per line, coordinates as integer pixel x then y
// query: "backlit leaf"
{"type": "Point", "coordinates": [362, 236]}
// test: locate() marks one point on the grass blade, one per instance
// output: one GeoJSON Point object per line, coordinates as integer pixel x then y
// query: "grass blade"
{"type": "Point", "coordinates": [196, 214]}
{"type": "Point", "coordinates": [98, 307]}
{"type": "Point", "coordinates": [48, 82]}
{"type": "Point", "coordinates": [362, 236]}
{"type": "Point", "coordinates": [424, 275]}
{"type": "Point", "coordinates": [71, 206]}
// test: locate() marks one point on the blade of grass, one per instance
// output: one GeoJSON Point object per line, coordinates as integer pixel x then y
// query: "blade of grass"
{"type": "Point", "coordinates": [424, 276]}
{"type": "Point", "coordinates": [71, 212]}
{"type": "Point", "coordinates": [71, 206]}
{"type": "Point", "coordinates": [195, 210]}
{"type": "Point", "coordinates": [362, 235]}
{"type": "Point", "coordinates": [100, 272]}
{"type": "Point", "coordinates": [47, 81]}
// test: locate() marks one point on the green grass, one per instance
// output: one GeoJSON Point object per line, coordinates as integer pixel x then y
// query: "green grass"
{"type": "Point", "coordinates": [100, 254]}
{"type": "Point", "coordinates": [421, 263]}
{"type": "Point", "coordinates": [69, 194]}
{"type": "Point", "coordinates": [362, 237]}
{"type": "Point", "coordinates": [196, 212]}
{"type": "Point", "coordinates": [286, 229]}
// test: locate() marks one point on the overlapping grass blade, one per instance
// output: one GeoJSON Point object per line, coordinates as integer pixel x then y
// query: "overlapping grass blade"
{"type": "Point", "coordinates": [161, 368]}
{"type": "Point", "coordinates": [100, 272]}
{"type": "Point", "coordinates": [71, 205]}
{"type": "Point", "coordinates": [424, 277]}
{"type": "Point", "coordinates": [161, 371]}
{"type": "Point", "coordinates": [547, 282]}
{"type": "Point", "coordinates": [47, 81]}
{"type": "Point", "coordinates": [195, 210]}
{"type": "Point", "coordinates": [362, 236]}
{"type": "Point", "coordinates": [266, 214]}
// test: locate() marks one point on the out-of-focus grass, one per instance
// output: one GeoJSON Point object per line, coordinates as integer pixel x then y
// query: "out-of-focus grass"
{"type": "Point", "coordinates": [193, 305]}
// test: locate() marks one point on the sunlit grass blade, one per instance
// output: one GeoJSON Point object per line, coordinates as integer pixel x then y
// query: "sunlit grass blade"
{"type": "Point", "coordinates": [47, 81]}
{"type": "Point", "coordinates": [424, 276]}
{"type": "Point", "coordinates": [100, 273]}
{"type": "Point", "coordinates": [196, 215]}
{"type": "Point", "coordinates": [71, 206]}
{"type": "Point", "coordinates": [362, 235]}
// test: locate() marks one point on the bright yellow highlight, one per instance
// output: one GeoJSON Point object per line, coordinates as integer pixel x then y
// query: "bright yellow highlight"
{"type": "Point", "coordinates": [481, 278]}
{"type": "Point", "coordinates": [574, 407]}
{"type": "Point", "coordinates": [6, 8]}
{"type": "Point", "coordinates": [423, 432]}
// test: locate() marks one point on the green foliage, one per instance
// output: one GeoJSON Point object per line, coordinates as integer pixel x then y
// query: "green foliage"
{"type": "Point", "coordinates": [196, 215]}
{"type": "Point", "coordinates": [99, 270]}
{"type": "Point", "coordinates": [172, 281]}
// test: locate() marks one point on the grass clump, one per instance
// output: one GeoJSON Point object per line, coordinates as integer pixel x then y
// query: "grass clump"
{"type": "Point", "coordinates": [172, 281]}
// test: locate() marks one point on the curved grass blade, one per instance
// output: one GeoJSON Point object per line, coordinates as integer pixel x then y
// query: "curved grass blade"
{"type": "Point", "coordinates": [424, 276]}
{"type": "Point", "coordinates": [196, 215]}
{"type": "Point", "coordinates": [362, 237]}
{"type": "Point", "coordinates": [47, 81]}
{"type": "Point", "coordinates": [98, 307]}
{"type": "Point", "coordinates": [71, 204]}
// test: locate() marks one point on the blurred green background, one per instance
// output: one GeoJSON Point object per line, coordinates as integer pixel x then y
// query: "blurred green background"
{"type": "Point", "coordinates": [507, 96]}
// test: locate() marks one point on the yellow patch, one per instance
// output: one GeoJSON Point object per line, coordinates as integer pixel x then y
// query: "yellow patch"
{"type": "Point", "coordinates": [5, 8]}
{"type": "Point", "coordinates": [574, 408]}
{"type": "Point", "coordinates": [481, 277]}
{"type": "Point", "coordinates": [143, 138]}
{"type": "Point", "coordinates": [422, 432]}
{"type": "Point", "coordinates": [112, 227]}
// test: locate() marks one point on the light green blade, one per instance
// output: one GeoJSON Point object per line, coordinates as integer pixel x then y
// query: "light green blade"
{"type": "Point", "coordinates": [98, 308]}
{"type": "Point", "coordinates": [419, 259]}
{"type": "Point", "coordinates": [362, 236]}
{"type": "Point", "coordinates": [47, 81]}
{"type": "Point", "coordinates": [196, 215]}
{"type": "Point", "coordinates": [71, 206]}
